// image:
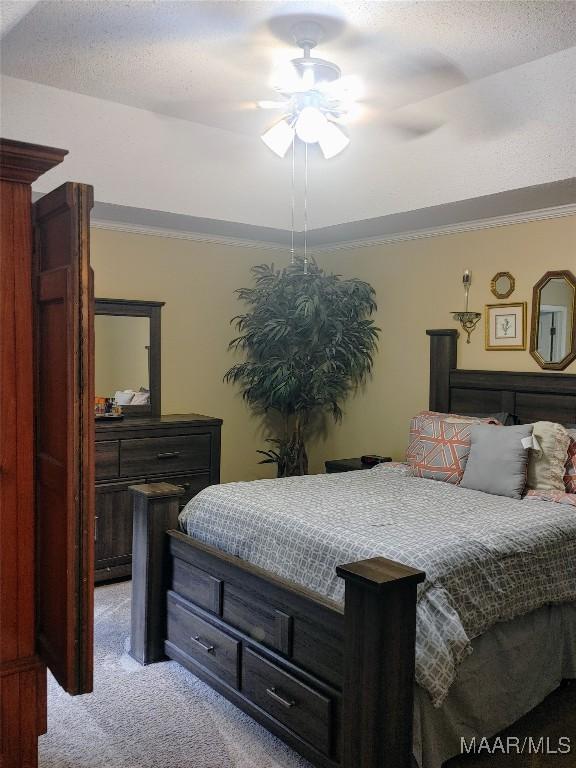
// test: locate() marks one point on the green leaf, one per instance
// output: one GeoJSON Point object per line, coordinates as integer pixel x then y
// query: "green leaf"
{"type": "Point", "coordinates": [307, 341]}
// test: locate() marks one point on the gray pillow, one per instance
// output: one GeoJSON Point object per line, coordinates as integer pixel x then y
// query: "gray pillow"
{"type": "Point", "coordinates": [498, 461]}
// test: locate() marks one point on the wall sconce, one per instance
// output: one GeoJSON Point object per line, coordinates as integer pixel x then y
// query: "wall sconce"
{"type": "Point", "coordinates": [468, 320]}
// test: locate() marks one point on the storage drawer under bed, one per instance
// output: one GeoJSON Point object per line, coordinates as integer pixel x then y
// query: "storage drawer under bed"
{"type": "Point", "coordinates": [294, 704]}
{"type": "Point", "coordinates": [213, 649]}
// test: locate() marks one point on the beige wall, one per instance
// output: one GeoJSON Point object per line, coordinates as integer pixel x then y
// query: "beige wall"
{"type": "Point", "coordinates": [197, 281]}
{"type": "Point", "coordinates": [418, 283]}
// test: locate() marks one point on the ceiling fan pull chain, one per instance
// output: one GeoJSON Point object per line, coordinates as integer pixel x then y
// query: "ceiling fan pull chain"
{"type": "Point", "coordinates": [305, 209]}
{"type": "Point", "coordinates": [292, 254]}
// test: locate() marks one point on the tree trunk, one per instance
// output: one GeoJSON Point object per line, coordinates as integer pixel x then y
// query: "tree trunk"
{"type": "Point", "coordinates": [295, 458]}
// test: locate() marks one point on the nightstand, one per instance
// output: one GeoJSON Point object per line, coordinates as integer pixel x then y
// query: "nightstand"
{"type": "Point", "coordinates": [350, 465]}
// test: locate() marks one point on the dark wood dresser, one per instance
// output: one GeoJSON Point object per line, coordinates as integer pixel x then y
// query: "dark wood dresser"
{"type": "Point", "coordinates": [180, 449]}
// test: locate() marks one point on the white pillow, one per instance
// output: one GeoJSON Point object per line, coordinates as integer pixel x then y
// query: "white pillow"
{"type": "Point", "coordinates": [546, 464]}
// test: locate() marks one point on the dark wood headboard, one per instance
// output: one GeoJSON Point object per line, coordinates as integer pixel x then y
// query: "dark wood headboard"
{"type": "Point", "coordinates": [528, 396]}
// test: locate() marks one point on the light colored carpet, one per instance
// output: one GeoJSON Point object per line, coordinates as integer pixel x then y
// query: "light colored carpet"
{"type": "Point", "coordinates": [159, 716]}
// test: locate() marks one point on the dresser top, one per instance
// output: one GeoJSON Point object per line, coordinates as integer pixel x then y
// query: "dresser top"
{"type": "Point", "coordinates": [155, 422]}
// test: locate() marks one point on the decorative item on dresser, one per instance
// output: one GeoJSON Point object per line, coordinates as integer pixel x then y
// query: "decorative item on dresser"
{"type": "Point", "coordinates": [351, 465]}
{"type": "Point", "coordinates": [129, 353]}
{"type": "Point", "coordinates": [181, 449]}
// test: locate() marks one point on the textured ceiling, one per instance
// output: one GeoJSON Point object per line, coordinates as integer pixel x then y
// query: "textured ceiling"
{"type": "Point", "coordinates": [139, 90]}
{"type": "Point", "coordinates": [209, 61]}
{"type": "Point", "coordinates": [12, 12]}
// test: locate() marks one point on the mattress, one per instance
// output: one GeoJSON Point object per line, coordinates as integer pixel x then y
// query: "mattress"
{"type": "Point", "coordinates": [487, 559]}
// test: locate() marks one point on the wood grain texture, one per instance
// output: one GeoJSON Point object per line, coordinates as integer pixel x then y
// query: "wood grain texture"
{"type": "Point", "coordinates": [153, 311]}
{"type": "Point", "coordinates": [378, 692]}
{"type": "Point", "coordinates": [298, 650]}
{"type": "Point", "coordinates": [22, 714]}
{"type": "Point", "coordinates": [65, 435]}
{"type": "Point", "coordinates": [527, 396]}
{"type": "Point", "coordinates": [23, 163]}
{"type": "Point", "coordinates": [107, 459]}
{"type": "Point", "coordinates": [156, 510]}
{"type": "Point", "coordinates": [22, 674]}
{"type": "Point", "coordinates": [298, 706]}
{"type": "Point", "coordinates": [113, 527]}
{"type": "Point", "coordinates": [127, 454]}
{"type": "Point", "coordinates": [210, 646]}
{"type": "Point", "coordinates": [161, 455]}
{"type": "Point", "coordinates": [443, 351]}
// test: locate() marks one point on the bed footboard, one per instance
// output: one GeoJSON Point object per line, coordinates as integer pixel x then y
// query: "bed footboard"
{"type": "Point", "coordinates": [337, 685]}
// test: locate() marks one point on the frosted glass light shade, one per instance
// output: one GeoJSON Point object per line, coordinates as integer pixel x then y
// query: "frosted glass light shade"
{"type": "Point", "coordinates": [310, 125]}
{"type": "Point", "coordinates": [332, 140]}
{"type": "Point", "coordinates": [279, 137]}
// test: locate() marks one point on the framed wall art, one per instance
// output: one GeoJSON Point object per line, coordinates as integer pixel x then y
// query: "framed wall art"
{"type": "Point", "coordinates": [506, 326]}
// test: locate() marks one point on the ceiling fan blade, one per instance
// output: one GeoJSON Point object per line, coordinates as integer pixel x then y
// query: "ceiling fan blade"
{"type": "Point", "coordinates": [405, 124]}
{"type": "Point", "coordinates": [413, 128]}
{"type": "Point", "coordinates": [236, 116]}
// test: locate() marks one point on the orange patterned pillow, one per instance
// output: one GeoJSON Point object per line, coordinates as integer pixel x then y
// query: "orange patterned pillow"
{"type": "Point", "coordinates": [439, 445]}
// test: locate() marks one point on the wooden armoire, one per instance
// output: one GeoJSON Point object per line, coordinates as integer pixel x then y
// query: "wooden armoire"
{"type": "Point", "coordinates": [46, 445]}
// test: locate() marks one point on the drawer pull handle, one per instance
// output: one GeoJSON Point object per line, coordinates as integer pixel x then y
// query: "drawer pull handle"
{"type": "Point", "coordinates": [207, 648]}
{"type": "Point", "coordinates": [168, 455]}
{"type": "Point", "coordinates": [288, 703]}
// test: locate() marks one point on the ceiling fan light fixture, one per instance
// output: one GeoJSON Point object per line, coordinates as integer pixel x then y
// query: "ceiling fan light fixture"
{"type": "Point", "coordinates": [332, 140]}
{"type": "Point", "coordinates": [279, 138]}
{"type": "Point", "coordinates": [310, 125]}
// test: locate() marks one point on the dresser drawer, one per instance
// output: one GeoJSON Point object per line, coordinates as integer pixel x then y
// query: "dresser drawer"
{"type": "Point", "coordinates": [164, 455]}
{"type": "Point", "coordinates": [295, 705]}
{"type": "Point", "coordinates": [192, 484]}
{"type": "Point", "coordinates": [107, 459]}
{"type": "Point", "coordinates": [212, 648]}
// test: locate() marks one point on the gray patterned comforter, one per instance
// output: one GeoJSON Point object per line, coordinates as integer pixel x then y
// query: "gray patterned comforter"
{"type": "Point", "coordinates": [486, 558]}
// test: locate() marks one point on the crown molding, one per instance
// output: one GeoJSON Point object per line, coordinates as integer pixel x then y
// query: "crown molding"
{"type": "Point", "coordinates": [141, 229]}
{"type": "Point", "coordinates": [399, 237]}
{"type": "Point", "coordinates": [450, 229]}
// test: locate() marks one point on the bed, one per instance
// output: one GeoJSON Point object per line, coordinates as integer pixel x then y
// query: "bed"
{"type": "Point", "coordinates": [316, 628]}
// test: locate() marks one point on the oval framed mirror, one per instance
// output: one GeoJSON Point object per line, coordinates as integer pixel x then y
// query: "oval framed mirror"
{"type": "Point", "coordinates": [553, 336]}
{"type": "Point", "coordinates": [502, 285]}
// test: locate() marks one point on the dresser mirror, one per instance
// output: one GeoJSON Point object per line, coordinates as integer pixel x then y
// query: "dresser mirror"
{"type": "Point", "coordinates": [553, 338]}
{"type": "Point", "coordinates": [127, 354]}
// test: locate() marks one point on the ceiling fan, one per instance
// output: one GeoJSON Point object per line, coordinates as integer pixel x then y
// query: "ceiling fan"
{"type": "Point", "coordinates": [313, 96]}
{"type": "Point", "coordinates": [318, 101]}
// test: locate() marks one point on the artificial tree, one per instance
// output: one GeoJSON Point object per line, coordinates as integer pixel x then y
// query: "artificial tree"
{"type": "Point", "coordinates": [308, 340]}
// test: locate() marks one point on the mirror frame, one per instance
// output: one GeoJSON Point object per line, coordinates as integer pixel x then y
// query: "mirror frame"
{"type": "Point", "coordinates": [564, 274]}
{"type": "Point", "coordinates": [494, 281]}
{"type": "Point", "coordinates": [152, 310]}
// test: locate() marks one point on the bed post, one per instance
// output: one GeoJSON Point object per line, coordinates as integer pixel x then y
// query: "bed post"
{"type": "Point", "coordinates": [379, 648]}
{"type": "Point", "coordinates": [443, 359]}
{"type": "Point", "coordinates": [156, 511]}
